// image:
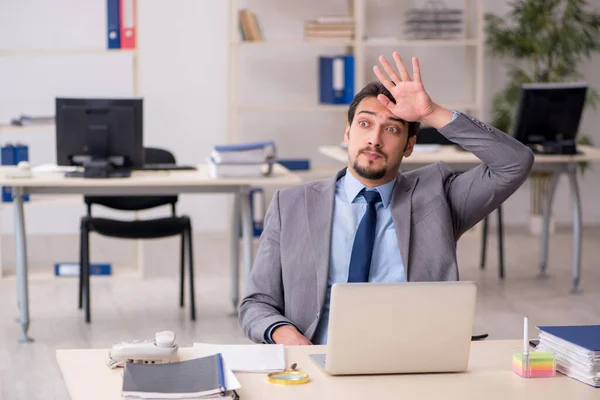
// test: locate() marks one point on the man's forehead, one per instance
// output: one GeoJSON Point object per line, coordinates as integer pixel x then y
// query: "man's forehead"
{"type": "Point", "coordinates": [372, 106]}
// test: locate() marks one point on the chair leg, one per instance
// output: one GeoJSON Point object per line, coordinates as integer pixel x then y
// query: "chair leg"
{"type": "Point", "coordinates": [500, 244]}
{"type": "Point", "coordinates": [182, 271]}
{"type": "Point", "coordinates": [85, 266]}
{"type": "Point", "coordinates": [81, 233]}
{"type": "Point", "coordinates": [484, 242]}
{"type": "Point", "coordinates": [191, 277]}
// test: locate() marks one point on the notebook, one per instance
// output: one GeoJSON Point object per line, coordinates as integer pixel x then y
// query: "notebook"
{"type": "Point", "coordinates": [194, 379]}
{"type": "Point", "coordinates": [246, 358]}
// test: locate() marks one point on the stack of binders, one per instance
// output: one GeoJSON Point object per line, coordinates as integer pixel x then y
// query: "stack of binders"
{"type": "Point", "coordinates": [121, 24]}
{"type": "Point", "coordinates": [576, 350]}
{"type": "Point", "coordinates": [242, 160]}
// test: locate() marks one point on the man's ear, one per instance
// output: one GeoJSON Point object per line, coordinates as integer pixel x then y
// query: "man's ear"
{"type": "Point", "coordinates": [347, 134]}
{"type": "Point", "coordinates": [410, 145]}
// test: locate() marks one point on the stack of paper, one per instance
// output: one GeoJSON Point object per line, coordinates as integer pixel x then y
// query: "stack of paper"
{"type": "Point", "coordinates": [242, 160]}
{"type": "Point", "coordinates": [246, 358]}
{"type": "Point", "coordinates": [576, 350]}
{"type": "Point", "coordinates": [330, 27]}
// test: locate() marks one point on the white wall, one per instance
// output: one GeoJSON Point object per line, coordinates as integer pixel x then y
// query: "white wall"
{"type": "Point", "coordinates": [183, 66]}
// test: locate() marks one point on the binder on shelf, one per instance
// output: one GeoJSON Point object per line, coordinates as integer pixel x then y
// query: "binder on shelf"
{"type": "Point", "coordinates": [113, 24]}
{"type": "Point", "coordinates": [128, 34]}
{"type": "Point", "coordinates": [11, 155]}
{"type": "Point", "coordinates": [72, 269]}
{"type": "Point", "coordinates": [336, 79]}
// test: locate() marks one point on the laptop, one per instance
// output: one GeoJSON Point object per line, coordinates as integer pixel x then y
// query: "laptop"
{"type": "Point", "coordinates": [385, 328]}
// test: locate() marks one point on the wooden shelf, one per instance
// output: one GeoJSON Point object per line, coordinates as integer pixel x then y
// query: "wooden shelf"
{"type": "Point", "coordinates": [64, 52]}
{"type": "Point", "coordinates": [375, 42]}
{"type": "Point", "coordinates": [294, 107]}
{"type": "Point", "coordinates": [298, 42]}
{"type": "Point", "coordinates": [421, 43]}
{"type": "Point", "coordinates": [7, 128]}
{"type": "Point", "coordinates": [333, 107]}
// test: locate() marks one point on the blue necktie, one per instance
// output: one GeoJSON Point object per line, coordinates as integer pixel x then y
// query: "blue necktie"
{"type": "Point", "coordinates": [362, 249]}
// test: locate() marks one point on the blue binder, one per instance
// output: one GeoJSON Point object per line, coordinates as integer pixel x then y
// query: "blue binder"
{"type": "Point", "coordinates": [336, 79]}
{"type": "Point", "coordinates": [11, 155]}
{"type": "Point", "coordinates": [7, 153]}
{"type": "Point", "coordinates": [585, 336]}
{"type": "Point", "coordinates": [244, 146]}
{"type": "Point", "coordinates": [72, 269]}
{"type": "Point", "coordinates": [113, 25]}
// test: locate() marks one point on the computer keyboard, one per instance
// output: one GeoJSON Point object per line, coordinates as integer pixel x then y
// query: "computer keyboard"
{"type": "Point", "coordinates": [166, 167]}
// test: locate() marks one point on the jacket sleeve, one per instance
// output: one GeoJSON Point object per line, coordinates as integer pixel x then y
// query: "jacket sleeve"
{"type": "Point", "coordinates": [506, 165]}
{"type": "Point", "coordinates": [263, 305]}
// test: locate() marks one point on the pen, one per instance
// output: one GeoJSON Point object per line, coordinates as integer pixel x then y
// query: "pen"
{"type": "Point", "coordinates": [525, 346]}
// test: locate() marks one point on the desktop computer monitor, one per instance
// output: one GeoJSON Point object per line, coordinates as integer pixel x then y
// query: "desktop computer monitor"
{"type": "Point", "coordinates": [105, 136]}
{"type": "Point", "coordinates": [548, 115]}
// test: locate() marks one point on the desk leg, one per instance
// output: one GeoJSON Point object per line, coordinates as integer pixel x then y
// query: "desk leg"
{"type": "Point", "coordinates": [546, 223]}
{"type": "Point", "coordinates": [248, 234]}
{"type": "Point", "coordinates": [235, 253]}
{"type": "Point", "coordinates": [577, 227]}
{"type": "Point", "coordinates": [21, 267]}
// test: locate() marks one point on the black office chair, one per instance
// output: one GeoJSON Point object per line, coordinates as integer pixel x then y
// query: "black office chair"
{"type": "Point", "coordinates": [138, 229]}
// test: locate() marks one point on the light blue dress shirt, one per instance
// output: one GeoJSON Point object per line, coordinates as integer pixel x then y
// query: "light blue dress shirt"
{"type": "Point", "coordinates": [386, 261]}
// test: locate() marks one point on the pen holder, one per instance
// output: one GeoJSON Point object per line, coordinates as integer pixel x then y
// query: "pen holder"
{"type": "Point", "coordinates": [537, 364]}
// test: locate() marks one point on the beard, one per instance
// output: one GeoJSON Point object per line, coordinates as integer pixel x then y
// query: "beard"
{"type": "Point", "coordinates": [372, 174]}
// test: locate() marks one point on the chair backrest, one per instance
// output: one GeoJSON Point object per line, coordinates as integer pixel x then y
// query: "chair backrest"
{"type": "Point", "coordinates": [135, 203]}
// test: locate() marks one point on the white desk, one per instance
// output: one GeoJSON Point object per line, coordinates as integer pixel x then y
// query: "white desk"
{"type": "Point", "coordinates": [489, 377]}
{"type": "Point", "coordinates": [555, 164]}
{"type": "Point", "coordinates": [140, 183]}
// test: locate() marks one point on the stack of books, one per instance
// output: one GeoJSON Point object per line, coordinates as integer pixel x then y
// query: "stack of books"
{"type": "Point", "coordinates": [576, 350]}
{"type": "Point", "coordinates": [242, 160]}
{"type": "Point", "coordinates": [333, 27]}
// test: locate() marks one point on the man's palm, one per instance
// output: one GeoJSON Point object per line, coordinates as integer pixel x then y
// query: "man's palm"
{"type": "Point", "coordinates": [412, 101]}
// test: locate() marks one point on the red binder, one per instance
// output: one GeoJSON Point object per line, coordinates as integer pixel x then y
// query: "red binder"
{"type": "Point", "coordinates": [127, 24]}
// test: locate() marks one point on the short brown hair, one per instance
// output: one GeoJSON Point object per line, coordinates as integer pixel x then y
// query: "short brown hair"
{"type": "Point", "coordinates": [374, 89]}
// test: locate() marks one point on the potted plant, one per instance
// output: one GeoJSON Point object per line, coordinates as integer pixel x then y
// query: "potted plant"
{"type": "Point", "coordinates": [545, 41]}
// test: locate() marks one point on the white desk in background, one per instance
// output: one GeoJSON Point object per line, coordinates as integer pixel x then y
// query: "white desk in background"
{"type": "Point", "coordinates": [556, 164]}
{"type": "Point", "coordinates": [489, 376]}
{"type": "Point", "coordinates": [139, 184]}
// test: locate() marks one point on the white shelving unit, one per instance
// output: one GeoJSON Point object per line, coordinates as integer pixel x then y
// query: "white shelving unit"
{"type": "Point", "coordinates": [473, 45]}
{"type": "Point", "coordinates": [46, 200]}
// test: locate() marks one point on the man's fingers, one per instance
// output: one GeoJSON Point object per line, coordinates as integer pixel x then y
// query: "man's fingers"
{"type": "Point", "coordinates": [401, 68]}
{"type": "Point", "coordinates": [390, 71]}
{"type": "Point", "coordinates": [383, 79]}
{"type": "Point", "coordinates": [416, 70]}
{"type": "Point", "coordinates": [383, 100]}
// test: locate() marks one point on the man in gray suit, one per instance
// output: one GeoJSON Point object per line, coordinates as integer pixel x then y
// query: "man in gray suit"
{"type": "Point", "coordinates": [371, 223]}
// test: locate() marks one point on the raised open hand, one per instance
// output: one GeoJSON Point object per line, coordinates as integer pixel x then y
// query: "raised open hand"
{"type": "Point", "coordinates": [412, 101]}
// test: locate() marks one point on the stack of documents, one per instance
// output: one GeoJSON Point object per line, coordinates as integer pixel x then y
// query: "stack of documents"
{"type": "Point", "coordinates": [576, 350]}
{"type": "Point", "coordinates": [201, 378]}
{"type": "Point", "coordinates": [242, 160]}
{"type": "Point", "coordinates": [246, 357]}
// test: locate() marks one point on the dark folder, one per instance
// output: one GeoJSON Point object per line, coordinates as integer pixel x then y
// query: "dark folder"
{"type": "Point", "coordinates": [585, 336]}
{"type": "Point", "coordinates": [195, 378]}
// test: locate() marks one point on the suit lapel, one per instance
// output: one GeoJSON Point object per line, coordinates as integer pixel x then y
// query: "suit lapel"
{"type": "Point", "coordinates": [319, 211]}
{"type": "Point", "coordinates": [401, 212]}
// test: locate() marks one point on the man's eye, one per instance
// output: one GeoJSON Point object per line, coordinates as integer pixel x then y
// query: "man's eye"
{"type": "Point", "coordinates": [393, 129]}
{"type": "Point", "coordinates": [364, 124]}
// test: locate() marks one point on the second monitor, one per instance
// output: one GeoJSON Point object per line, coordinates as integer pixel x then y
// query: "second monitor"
{"type": "Point", "coordinates": [548, 116]}
{"type": "Point", "coordinates": [105, 136]}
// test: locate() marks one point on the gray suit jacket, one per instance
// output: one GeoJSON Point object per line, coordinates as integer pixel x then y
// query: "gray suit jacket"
{"type": "Point", "coordinates": [431, 208]}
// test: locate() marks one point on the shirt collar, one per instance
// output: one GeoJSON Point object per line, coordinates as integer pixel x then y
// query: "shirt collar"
{"type": "Point", "coordinates": [352, 187]}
